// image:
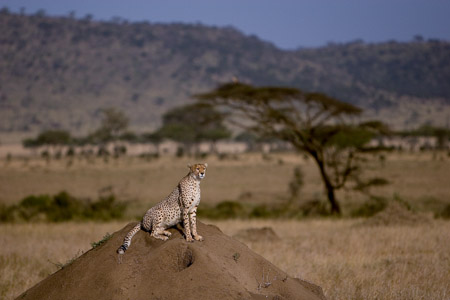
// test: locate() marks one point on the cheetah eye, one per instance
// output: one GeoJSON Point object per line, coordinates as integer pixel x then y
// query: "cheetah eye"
{"type": "Point", "coordinates": [198, 169]}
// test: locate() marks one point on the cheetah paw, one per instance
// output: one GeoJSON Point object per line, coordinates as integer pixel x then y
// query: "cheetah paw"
{"type": "Point", "coordinates": [198, 238]}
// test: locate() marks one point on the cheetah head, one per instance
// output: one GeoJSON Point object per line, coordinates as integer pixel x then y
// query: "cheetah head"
{"type": "Point", "coordinates": [198, 170]}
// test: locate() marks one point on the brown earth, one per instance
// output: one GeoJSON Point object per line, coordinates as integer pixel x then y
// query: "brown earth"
{"type": "Point", "coordinates": [220, 267]}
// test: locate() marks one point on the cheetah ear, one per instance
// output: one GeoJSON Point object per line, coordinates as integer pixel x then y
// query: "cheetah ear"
{"type": "Point", "coordinates": [189, 166]}
{"type": "Point", "coordinates": [205, 164]}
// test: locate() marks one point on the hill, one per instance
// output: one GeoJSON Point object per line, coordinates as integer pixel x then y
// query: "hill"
{"type": "Point", "coordinates": [59, 72]}
{"type": "Point", "coordinates": [217, 268]}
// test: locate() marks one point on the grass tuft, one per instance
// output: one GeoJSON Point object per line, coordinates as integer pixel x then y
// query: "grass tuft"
{"type": "Point", "coordinates": [105, 238]}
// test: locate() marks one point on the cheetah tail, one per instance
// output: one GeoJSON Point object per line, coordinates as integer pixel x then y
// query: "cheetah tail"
{"type": "Point", "coordinates": [127, 240]}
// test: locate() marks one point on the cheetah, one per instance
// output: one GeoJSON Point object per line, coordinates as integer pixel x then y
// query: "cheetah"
{"type": "Point", "coordinates": [180, 206]}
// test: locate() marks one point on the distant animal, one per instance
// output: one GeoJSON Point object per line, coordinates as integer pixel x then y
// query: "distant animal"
{"type": "Point", "coordinates": [180, 206]}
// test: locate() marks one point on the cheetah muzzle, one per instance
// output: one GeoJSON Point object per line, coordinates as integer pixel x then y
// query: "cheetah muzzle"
{"type": "Point", "coordinates": [179, 207]}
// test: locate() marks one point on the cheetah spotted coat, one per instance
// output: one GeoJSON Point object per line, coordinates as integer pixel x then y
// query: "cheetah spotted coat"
{"type": "Point", "coordinates": [180, 206]}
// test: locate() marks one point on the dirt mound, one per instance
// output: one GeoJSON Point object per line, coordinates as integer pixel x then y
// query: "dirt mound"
{"type": "Point", "coordinates": [218, 268]}
{"type": "Point", "coordinates": [265, 234]}
{"type": "Point", "coordinates": [396, 213]}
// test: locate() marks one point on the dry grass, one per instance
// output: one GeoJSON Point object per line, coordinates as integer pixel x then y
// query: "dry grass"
{"type": "Point", "coordinates": [418, 178]}
{"type": "Point", "coordinates": [347, 260]}
{"type": "Point", "coordinates": [135, 179]}
{"type": "Point", "coordinates": [357, 262]}
{"type": "Point", "coordinates": [30, 252]}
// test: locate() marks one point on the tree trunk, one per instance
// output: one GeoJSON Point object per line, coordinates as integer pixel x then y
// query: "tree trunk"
{"type": "Point", "coordinates": [335, 207]}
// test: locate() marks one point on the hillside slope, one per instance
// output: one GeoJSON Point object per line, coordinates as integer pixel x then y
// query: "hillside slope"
{"type": "Point", "coordinates": [58, 72]}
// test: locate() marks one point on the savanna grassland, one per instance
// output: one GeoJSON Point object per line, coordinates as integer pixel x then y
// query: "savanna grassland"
{"type": "Point", "coordinates": [349, 258]}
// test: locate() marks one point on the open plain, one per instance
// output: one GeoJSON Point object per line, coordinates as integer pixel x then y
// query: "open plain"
{"type": "Point", "coordinates": [350, 258]}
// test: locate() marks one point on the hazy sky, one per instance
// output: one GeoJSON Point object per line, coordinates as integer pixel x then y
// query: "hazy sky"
{"type": "Point", "coordinates": [287, 23]}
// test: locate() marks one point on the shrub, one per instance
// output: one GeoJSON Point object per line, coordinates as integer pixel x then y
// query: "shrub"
{"type": "Point", "coordinates": [370, 208]}
{"type": "Point", "coordinates": [6, 213]}
{"type": "Point", "coordinates": [314, 208]}
{"type": "Point", "coordinates": [261, 211]}
{"type": "Point", "coordinates": [106, 208]}
{"type": "Point", "coordinates": [63, 207]}
{"type": "Point", "coordinates": [444, 213]}
{"type": "Point", "coordinates": [233, 209]}
{"type": "Point", "coordinates": [223, 210]}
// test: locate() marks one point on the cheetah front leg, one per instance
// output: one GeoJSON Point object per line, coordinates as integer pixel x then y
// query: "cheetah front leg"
{"type": "Point", "coordinates": [193, 217]}
{"type": "Point", "coordinates": [187, 226]}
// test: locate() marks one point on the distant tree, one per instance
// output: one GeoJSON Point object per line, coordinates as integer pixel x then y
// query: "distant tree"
{"type": "Point", "coordinates": [114, 123]}
{"type": "Point", "coordinates": [40, 13]}
{"type": "Point", "coordinates": [72, 14]}
{"type": "Point", "coordinates": [129, 136]}
{"type": "Point", "coordinates": [5, 10]}
{"type": "Point", "coordinates": [191, 124]}
{"type": "Point", "coordinates": [247, 137]}
{"type": "Point", "coordinates": [153, 137]}
{"type": "Point", "coordinates": [88, 18]}
{"type": "Point", "coordinates": [441, 134]}
{"type": "Point", "coordinates": [49, 138]}
{"type": "Point", "coordinates": [418, 38]}
{"type": "Point", "coordinates": [313, 123]}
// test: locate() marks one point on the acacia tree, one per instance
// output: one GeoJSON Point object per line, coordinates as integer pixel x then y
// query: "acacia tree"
{"type": "Point", "coordinates": [314, 123]}
{"type": "Point", "coordinates": [114, 123]}
{"type": "Point", "coordinates": [193, 123]}
{"type": "Point", "coordinates": [153, 137]}
{"type": "Point", "coordinates": [54, 139]}
{"type": "Point", "coordinates": [113, 127]}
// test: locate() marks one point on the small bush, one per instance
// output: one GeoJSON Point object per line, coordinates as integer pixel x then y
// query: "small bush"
{"type": "Point", "coordinates": [106, 208]}
{"type": "Point", "coordinates": [6, 213]}
{"type": "Point", "coordinates": [444, 213]}
{"type": "Point", "coordinates": [260, 211]}
{"type": "Point", "coordinates": [233, 209]}
{"type": "Point", "coordinates": [223, 156]}
{"type": "Point", "coordinates": [370, 208]}
{"type": "Point", "coordinates": [314, 208]}
{"type": "Point", "coordinates": [223, 210]}
{"type": "Point", "coordinates": [63, 207]}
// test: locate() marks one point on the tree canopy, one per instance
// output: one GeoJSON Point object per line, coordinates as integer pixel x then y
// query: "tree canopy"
{"type": "Point", "coordinates": [114, 123]}
{"type": "Point", "coordinates": [49, 138]}
{"type": "Point", "coordinates": [323, 127]}
{"type": "Point", "coordinates": [193, 123]}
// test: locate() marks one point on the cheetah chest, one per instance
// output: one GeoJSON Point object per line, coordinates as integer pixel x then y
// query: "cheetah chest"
{"type": "Point", "coordinates": [195, 200]}
{"type": "Point", "coordinates": [192, 196]}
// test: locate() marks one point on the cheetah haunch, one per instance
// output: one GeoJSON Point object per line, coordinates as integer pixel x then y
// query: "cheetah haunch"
{"type": "Point", "coordinates": [180, 206]}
